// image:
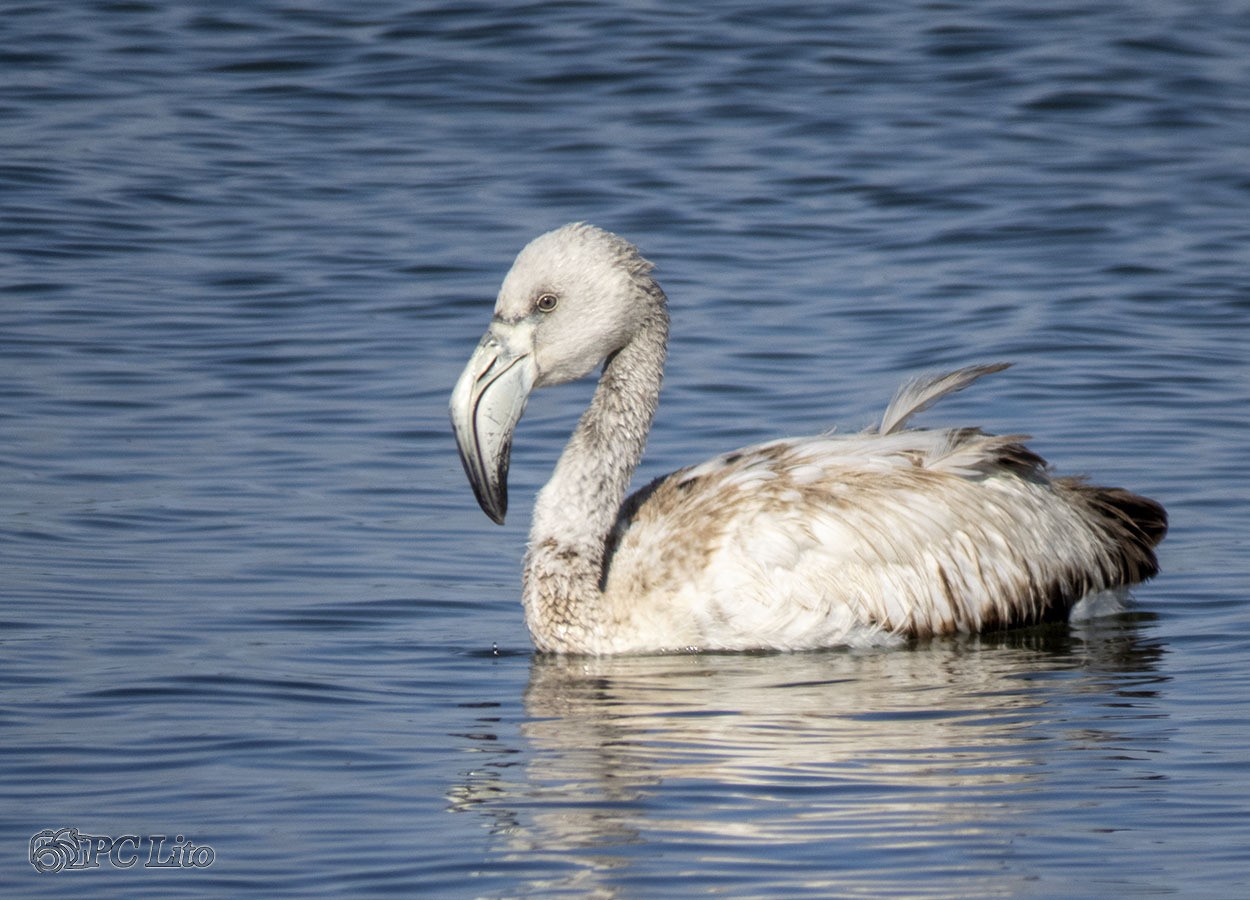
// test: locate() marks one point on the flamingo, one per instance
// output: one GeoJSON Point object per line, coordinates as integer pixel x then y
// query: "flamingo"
{"type": "Point", "coordinates": [797, 543]}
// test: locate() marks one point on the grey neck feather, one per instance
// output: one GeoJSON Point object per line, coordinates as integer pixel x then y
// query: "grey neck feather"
{"type": "Point", "coordinates": [577, 509]}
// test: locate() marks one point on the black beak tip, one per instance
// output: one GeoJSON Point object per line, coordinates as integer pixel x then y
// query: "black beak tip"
{"type": "Point", "coordinates": [494, 505]}
{"type": "Point", "coordinates": [493, 500]}
{"type": "Point", "coordinates": [494, 495]}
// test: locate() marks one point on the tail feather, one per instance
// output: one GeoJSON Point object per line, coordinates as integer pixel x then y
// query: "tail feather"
{"type": "Point", "coordinates": [1133, 524]}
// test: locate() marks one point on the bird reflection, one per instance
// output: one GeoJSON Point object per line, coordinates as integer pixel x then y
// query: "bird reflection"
{"type": "Point", "coordinates": [729, 755]}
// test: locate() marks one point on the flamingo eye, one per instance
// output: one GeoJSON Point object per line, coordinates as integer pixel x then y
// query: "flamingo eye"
{"type": "Point", "coordinates": [546, 302]}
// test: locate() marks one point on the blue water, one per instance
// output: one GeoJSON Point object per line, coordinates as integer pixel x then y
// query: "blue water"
{"type": "Point", "coordinates": [247, 597]}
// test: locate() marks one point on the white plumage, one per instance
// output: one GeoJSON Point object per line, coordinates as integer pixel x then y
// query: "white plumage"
{"type": "Point", "coordinates": [791, 544]}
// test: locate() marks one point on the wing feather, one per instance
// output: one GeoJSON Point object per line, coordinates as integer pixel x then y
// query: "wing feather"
{"type": "Point", "coordinates": [809, 542]}
{"type": "Point", "coordinates": [920, 393]}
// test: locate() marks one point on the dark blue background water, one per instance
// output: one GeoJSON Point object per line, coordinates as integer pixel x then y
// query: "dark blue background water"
{"type": "Point", "coordinates": [247, 597]}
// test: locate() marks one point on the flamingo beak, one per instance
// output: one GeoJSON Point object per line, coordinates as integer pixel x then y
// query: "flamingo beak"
{"type": "Point", "coordinates": [486, 405]}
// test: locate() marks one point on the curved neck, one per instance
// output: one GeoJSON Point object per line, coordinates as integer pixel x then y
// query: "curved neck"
{"type": "Point", "coordinates": [577, 509]}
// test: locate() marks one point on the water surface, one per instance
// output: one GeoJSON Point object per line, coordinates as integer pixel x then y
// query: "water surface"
{"type": "Point", "coordinates": [247, 597]}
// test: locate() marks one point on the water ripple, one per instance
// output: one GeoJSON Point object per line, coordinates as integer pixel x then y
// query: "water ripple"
{"type": "Point", "coordinates": [243, 254]}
